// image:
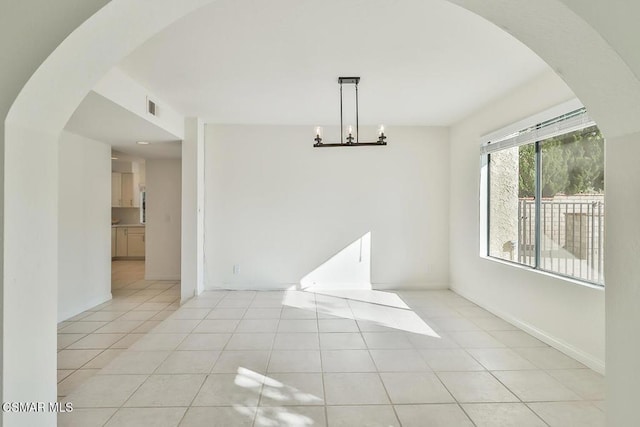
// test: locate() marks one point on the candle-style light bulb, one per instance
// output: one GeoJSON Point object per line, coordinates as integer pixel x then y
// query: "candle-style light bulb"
{"type": "Point", "coordinates": [318, 138]}
{"type": "Point", "coordinates": [350, 137]}
{"type": "Point", "coordinates": [381, 136]}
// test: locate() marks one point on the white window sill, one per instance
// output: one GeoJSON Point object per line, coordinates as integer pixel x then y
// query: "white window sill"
{"type": "Point", "coordinates": [544, 273]}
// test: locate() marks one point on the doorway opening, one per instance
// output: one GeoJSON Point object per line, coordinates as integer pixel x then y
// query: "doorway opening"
{"type": "Point", "coordinates": [128, 220]}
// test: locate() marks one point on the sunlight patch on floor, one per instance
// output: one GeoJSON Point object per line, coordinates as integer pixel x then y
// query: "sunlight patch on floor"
{"type": "Point", "coordinates": [285, 403]}
{"type": "Point", "coordinates": [383, 308]}
{"type": "Point", "coordinates": [367, 295]}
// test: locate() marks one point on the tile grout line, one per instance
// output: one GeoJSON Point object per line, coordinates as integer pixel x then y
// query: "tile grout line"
{"type": "Point", "coordinates": [384, 387]}
{"type": "Point", "coordinates": [324, 389]}
{"type": "Point", "coordinates": [458, 404]}
{"type": "Point", "coordinates": [266, 370]}
{"type": "Point", "coordinates": [206, 376]}
{"type": "Point", "coordinates": [536, 413]}
{"type": "Point", "coordinates": [134, 392]}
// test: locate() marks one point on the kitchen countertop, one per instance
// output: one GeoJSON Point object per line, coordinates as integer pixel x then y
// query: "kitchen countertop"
{"type": "Point", "coordinates": [127, 225]}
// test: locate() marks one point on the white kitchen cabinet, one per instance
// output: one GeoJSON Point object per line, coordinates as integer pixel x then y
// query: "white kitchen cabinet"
{"type": "Point", "coordinates": [124, 191]}
{"type": "Point", "coordinates": [135, 242]}
{"type": "Point", "coordinates": [121, 242]}
{"type": "Point", "coordinates": [113, 242]}
{"type": "Point", "coordinates": [129, 242]}
{"type": "Point", "coordinates": [127, 190]}
{"type": "Point", "coordinates": [116, 189]}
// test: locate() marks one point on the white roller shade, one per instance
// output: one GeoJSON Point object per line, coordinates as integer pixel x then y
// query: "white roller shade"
{"type": "Point", "coordinates": [570, 122]}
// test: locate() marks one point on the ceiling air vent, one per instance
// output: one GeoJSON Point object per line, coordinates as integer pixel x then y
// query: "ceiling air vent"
{"type": "Point", "coordinates": [151, 107]}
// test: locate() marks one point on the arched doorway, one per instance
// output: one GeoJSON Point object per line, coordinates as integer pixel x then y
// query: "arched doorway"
{"type": "Point", "coordinates": [606, 85]}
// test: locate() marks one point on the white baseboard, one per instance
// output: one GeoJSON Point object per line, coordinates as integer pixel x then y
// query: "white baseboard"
{"type": "Point", "coordinates": [185, 299]}
{"type": "Point", "coordinates": [249, 287]}
{"type": "Point", "coordinates": [411, 286]}
{"type": "Point", "coordinates": [162, 277]}
{"type": "Point", "coordinates": [428, 286]}
{"type": "Point", "coordinates": [583, 357]}
{"type": "Point", "coordinates": [84, 307]}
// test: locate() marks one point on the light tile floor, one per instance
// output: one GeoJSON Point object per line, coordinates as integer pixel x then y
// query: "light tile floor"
{"type": "Point", "coordinates": [89, 341]}
{"type": "Point", "coordinates": [294, 358]}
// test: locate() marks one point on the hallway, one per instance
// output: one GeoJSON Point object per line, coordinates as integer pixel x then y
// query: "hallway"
{"type": "Point", "coordinates": [89, 341]}
{"type": "Point", "coordinates": [296, 358]}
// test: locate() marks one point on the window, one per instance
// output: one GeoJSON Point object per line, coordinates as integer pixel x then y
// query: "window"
{"type": "Point", "coordinates": [544, 195]}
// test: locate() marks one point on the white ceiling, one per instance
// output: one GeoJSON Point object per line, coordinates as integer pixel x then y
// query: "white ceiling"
{"type": "Point", "coordinates": [424, 62]}
{"type": "Point", "coordinates": [101, 119]}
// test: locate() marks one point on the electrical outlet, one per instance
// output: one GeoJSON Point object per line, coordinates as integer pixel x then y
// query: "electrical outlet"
{"type": "Point", "coordinates": [236, 268]}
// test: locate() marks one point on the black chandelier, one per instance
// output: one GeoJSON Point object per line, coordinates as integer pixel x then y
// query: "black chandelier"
{"type": "Point", "coordinates": [350, 140]}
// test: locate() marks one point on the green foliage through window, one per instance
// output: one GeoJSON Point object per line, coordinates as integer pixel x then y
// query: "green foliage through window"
{"type": "Point", "coordinates": [572, 163]}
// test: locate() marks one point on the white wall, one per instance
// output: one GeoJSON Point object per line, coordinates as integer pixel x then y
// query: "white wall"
{"type": "Point", "coordinates": [622, 270]}
{"type": "Point", "coordinates": [28, 209]}
{"type": "Point", "coordinates": [84, 225]}
{"type": "Point", "coordinates": [188, 263]}
{"type": "Point", "coordinates": [30, 237]}
{"type": "Point", "coordinates": [126, 215]}
{"type": "Point", "coordinates": [128, 93]}
{"type": "Point", "coordinates": [192, 209]}
{"type": "Point", "coordinates": [163, 226]}
{"type": "Point", "coordinates": [121, 166]}
{"type": "Point", "coordinates": [569, 315]}
{"type": "Point", "coordinates": [280, 208]}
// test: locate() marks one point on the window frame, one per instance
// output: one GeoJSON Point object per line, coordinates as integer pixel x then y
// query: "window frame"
{"type": "Point", "coordinates": [536, 122]}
